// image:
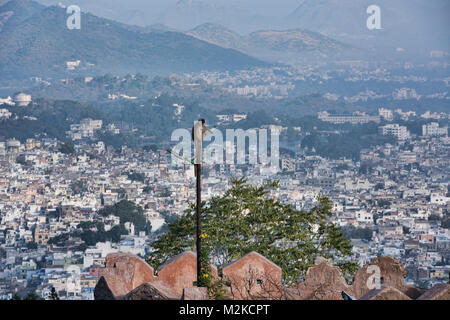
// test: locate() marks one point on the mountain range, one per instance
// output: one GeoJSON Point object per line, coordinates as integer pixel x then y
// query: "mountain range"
{"type": "Point", "coordinates": [36, 42]}
{"type": "Point", "coordinates": [269, 43]}
{"type": "Point", "coordinates": [404, 23]}
{"type": "Point", "coordinates": [415, 24]}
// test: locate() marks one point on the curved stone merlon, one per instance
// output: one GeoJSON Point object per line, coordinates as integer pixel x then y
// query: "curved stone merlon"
{"type": "Point", "coordinates": [253, 276]}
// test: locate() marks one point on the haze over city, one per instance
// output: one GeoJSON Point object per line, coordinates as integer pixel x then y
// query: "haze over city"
{"type": "Point", "coordinates": [314, 131]}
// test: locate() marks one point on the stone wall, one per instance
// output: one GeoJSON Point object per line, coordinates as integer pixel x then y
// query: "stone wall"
{"type": "Point", "coordinates": [253, 277]}
{"type": "Point", "coordinates": [124, 272]}
{"type": "Point", "coordinates": [322, 282]}
{"type": "Point", "coordinates": [181, 271]}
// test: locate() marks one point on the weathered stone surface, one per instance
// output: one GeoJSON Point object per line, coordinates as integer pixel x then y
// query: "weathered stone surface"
{"type": "Point", "coordinates": [412, 292]}
{"type": "Point", "coordinates": [392, 274]}
{"type": "Point", "coordinates": [155, 290]}
{"type": "Point", "coordinates": [181, 271]}
{"type": "Point", "coordinates": [440, 291]}
{"type": "Point", "coordinates": [322, 282]}
{"type": "Point", "coordinates": [385, 293]}
{"type": "Point", "coordinates": [102, 291]}
{"type": "Point", "coordinates": [253, 277]}
{"type": "Point", "coordinates": [124, 272]}
{"type": "Point", "coordinates": [195, 293]}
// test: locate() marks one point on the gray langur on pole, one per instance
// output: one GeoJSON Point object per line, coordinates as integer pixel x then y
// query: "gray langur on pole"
{"type": "Point", "coordinates": [204, 129]}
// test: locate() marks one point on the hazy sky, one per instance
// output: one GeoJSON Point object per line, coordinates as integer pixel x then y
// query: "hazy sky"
{"type": "Point", "coordinates": [156, 7]}
{"type": "Point", "coordinates": [344, 20]}
{"type": "Point", "coordinates": [264, 7]}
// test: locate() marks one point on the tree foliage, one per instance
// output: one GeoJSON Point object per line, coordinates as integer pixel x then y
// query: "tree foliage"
{"type": "Point", "coordinates": [352, 232]}
{"type": "Point", "coordinates": [135, 176]}
{"type": "Point", "coordinates": [128, 211]}
{"type": "Point", "coordinates": [247, 219]}
{"type": "Point", "coordinates": [67, 148]}
{"type": "Point", "coordinates": [91, 233]}
{"type": "Point", "coordinates": [53, 294]}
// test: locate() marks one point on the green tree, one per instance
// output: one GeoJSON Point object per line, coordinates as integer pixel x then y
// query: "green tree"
{"type": "Point", "coordinates": [21, 160]}
{"type": "Point", "coordinates": [78, 186]}
{"type": "Point", "coordinates": [53, 294]}
{"type": "Point", "coordinates": [379, 186]}
{"type": "Point", "coordinates": [32, 296]}
{"type": "Point", "coordinates": [352, 232]}
{"type": "Point", "coordinates": [151, 147]}
{"type": "Point", "coordinates": [67, 148]}
{"type": "Point", "coordinates": [128, 211]}
{"type": "Point", "coordinates": [365, 168]}
{"type": "Point", "coordinates": [32, 245]}
{"type": "Point", "coordinates": [246, 219]}
{"type": "Point", "coordinates": [434, 217]}
{"type": "Point", "coordinates": [135, 176]}
{"type": "Point", "coordinates": [446, 223]}
{"type": "Point", "coordinates": [386, 204]}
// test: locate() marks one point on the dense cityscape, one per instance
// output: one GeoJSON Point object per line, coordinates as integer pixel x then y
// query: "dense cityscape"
{"type": "Point", "coordinates": [393, 201]}
{"type": "Point", "coordinates": [92, 104]}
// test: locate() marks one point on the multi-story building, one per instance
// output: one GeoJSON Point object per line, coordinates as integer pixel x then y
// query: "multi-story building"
{"type": "Point", "coordinates": [355, 118]}
{"type": "Point", "coordinates": [5, 114]}
{"type": "Point", "coordinates": [41, 235]}
{"type": "Point", "coordinates": [433, 129]}
{"type": "Point", "coordinates": [386, 114]}
{"type": "Point", "coordinates": [396, 130]}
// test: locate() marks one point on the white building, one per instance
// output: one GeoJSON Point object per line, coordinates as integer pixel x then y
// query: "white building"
{"type": "Point", "coordinates": [396, 130]}
{"type": "Point", "coordinates": [5, 114]}
{"type": "Point", "coordinates": [85, 129]}
{"type": "Point", "coordinates": [22, 99]}
{"type": "Point", "coordinates": [355, 118]}
{"type": "Point", "coordinates": [13, 145]}
{"type": "Point", "coordinates": [386, 114]}
{"type": "Point", "coordinates": [364, 217]}
{"type": "Point", "coordinates": [7, 101]}
{"type": "Point", "coordinates": [433, 129]}
{"type": "Point", "coordinates": [287, 164]}
{"type": "Point", "coordinates": [436, 198]}
{"type": "Point", "coordinates": [71, 65]}
{"type": "Point", "coordinates": [224, 118]}
{"type": "Point", "coordinates": [238, 117]}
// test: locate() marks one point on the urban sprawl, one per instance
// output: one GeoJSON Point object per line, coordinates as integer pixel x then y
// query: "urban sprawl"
{"type": "Point", "coordinates": [394, 200]}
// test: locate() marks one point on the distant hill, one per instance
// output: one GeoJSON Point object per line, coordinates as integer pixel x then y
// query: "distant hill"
{"type": "Point", "coordinates": [405, 23]}
{"type": "Point", "coordinates": [220, 35]}
{"type": "Point", "coordinates": [13, 13]}
{"type": "Point", "coordinates": [36, 42]}
{"type": "Point", "coordinates": [186, 14]}
{"type": "Point", "coordinates": [151, 28]}
{"type": "Point", "coordinates": [265, 43]}
{"type": "Point", "coordinates": [53, 119]}
{"type": "Point", "coordinates": [410, 24]}
{"type": "Point", "coordinates": [295, 41]}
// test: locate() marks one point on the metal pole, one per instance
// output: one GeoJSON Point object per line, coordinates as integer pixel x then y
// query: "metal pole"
{"type": "Point", "coordinates": [198, 132]}
{"type": "Point", "coordinates": [199, 217]}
